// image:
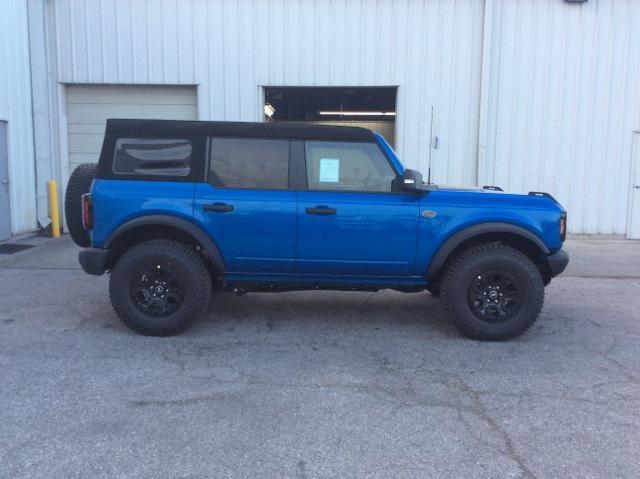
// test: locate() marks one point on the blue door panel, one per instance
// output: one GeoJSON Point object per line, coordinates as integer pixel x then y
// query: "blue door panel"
{"type": "Point", "coordinates": [257, 235]}
{"type": "Point", "coordinates": [371, 234]}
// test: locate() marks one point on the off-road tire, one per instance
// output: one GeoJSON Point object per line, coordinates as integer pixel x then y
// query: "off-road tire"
{"type": "Point", "coordinates": [463, 271]}
{"type": "Point", "coordinates": [434, 289]}
{"type": "Point", "coordinates": [79, 184]}
{"type": "Point", "coordinates": [185, 263]}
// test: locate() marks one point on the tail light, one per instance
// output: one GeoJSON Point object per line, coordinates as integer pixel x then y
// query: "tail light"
{"type": "Point", "coordinates": [87, 211]}
{"type": "Point", "coordinates": [563, 226]}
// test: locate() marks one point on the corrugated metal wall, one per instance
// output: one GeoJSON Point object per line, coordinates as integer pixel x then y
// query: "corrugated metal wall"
{"type": "Point", "coordinates": [563, 101]}
{"type": "Point", "coordinates": [431, 49]}
{"type": "Point", "coordinates": [534, 94]}
{"type": "Point", "coordinates": [15, 108]}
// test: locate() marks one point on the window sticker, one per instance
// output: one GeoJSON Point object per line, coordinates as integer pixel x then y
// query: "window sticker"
{"type": "Point", "coordinates": [329, 170]}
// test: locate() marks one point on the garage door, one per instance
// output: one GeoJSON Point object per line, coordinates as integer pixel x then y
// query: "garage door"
{"type": "Point", "coordinates": [89, 106]}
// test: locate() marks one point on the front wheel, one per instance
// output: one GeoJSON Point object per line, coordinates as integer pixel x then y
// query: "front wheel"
{"type": "Point", "coordinates": [160, 287]}
{"type": "Point", "coordinates": [492, 292]}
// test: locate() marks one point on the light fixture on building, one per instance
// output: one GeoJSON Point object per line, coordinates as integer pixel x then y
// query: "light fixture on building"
{"type": "Point", "coordinates": [358, 113]}
{"type": "Point", "coordinates": [269, 110]}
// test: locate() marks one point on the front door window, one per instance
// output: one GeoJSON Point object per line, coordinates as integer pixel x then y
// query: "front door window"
{"type": "Point", "coordinates": [347, 166]}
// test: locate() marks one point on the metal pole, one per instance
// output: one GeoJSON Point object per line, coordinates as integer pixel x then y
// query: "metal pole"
{"type": "Point", "coordinates": [54, 213]}
{"type": "Point", "coordinates": [430, 146]}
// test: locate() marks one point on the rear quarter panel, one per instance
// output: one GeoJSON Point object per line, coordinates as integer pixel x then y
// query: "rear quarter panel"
{"type": "Point", "coordinates": [116, 202]}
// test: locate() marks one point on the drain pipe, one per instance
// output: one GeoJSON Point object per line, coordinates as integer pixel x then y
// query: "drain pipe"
{"type": "Point", "coordinates": [42, 73]}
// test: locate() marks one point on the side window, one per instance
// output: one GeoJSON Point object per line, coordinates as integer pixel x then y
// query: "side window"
{"type": "Point", "coordinates": [152, 157]}
{"type": "Point", "coordinates": [246, 163]}
{"type": "Point", "coordinates": [347, 166]}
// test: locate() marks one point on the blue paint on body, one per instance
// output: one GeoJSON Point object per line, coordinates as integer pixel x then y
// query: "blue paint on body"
{"type": "Point", "coordinates": [373, 239]}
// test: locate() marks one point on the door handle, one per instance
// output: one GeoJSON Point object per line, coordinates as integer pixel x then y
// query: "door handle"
{"type": "Point", "coordinates": [217, 207]}
{"type": "Point", "coordinates": [321, 210]}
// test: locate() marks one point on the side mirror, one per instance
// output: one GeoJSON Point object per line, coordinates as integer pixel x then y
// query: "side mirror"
{"type": "Point", "coordinates": [412, 181]}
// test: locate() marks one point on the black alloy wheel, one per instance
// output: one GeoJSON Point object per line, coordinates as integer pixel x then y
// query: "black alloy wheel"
{"type": "Point", "coordinates": [157, 291]}
{"type": "Point", "coordinates": [495, 296]}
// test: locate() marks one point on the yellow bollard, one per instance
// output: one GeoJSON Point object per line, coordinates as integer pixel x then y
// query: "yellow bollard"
{"type": "Point", "coordinates": [54, 215]}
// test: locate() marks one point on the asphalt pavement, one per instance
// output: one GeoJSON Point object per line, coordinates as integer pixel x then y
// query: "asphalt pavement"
{"type": "Point", "coordinates": [318, 384]}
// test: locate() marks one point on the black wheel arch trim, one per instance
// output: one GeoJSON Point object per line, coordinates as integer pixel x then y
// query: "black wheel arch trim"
{"type": "Point", "coordinates": [211, 251]}
{"type": "Point", "coordinates": [451, 243]}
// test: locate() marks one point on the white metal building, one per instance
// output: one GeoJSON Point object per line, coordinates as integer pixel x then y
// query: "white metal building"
{"type": "Point", "coordinates": [526, 94]}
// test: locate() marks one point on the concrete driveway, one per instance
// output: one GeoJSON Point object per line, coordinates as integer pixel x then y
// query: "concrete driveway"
{"type": "Point", "coordinates": [318, 384]}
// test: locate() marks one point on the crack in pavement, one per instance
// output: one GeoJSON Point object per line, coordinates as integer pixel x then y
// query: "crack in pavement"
{"type": "Point", "coordinates": [482, 413]}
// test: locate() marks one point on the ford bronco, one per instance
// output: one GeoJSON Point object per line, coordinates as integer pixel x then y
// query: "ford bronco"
{"type": "Point", "coordinates": [176, 210]}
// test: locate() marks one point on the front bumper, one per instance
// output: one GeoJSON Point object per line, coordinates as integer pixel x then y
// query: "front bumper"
{"type": "Point", "coordinates": [93, 260]}
{"type": "Point", "coordinates": [558, 261]}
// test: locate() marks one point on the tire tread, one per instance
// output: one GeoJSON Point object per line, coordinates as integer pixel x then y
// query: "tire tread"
{"type": "Point", "coordinates": [79, 184]}
{"type": "Point", "coordinates": [198, 268]}
{"type": "Point", "coordinates": [449, 299]}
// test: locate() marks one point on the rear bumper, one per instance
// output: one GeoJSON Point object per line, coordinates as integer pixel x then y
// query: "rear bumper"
{"type": "Point", "coordinates": [558, 261]}
{"type": "Point", "coordinates": [93, 260]}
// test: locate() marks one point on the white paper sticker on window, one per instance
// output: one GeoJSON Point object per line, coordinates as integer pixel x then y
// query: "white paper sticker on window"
{"type": "Point", "coordinates": [329, 170]}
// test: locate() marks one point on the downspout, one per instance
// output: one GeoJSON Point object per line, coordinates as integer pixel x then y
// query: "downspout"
{"type": "Point", "coordinates": [30, 40]}
{"type": "Point", "coordinates": [40, 106]}
{"type": "Point", "coordinates": [483, 177]}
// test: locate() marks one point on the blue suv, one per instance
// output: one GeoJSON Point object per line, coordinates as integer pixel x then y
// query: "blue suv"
{"type": "Point", "coordinates": [177, 210]}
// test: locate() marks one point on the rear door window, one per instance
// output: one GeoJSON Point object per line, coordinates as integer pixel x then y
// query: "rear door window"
{"type": "Point", "coordinates": [249, 163]}
{"type": "Point", "coordinates": [152, 157]}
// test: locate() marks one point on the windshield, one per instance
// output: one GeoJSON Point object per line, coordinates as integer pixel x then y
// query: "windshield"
{"type": "Point", "coordinates": [391, 154]}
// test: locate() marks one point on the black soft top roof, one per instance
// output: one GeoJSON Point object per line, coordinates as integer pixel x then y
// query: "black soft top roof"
{"type": "Point", "coordinates": [173, 128]}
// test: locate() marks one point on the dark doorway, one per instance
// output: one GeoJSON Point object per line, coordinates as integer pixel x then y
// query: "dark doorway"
{"type": "Point", "coordinates": [369, 107]}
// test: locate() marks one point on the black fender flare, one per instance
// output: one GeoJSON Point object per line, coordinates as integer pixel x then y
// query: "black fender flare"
{"type": "Point", "coordinates": [210, 250]}
{"type": "Point", "coordinates": [451, 243]}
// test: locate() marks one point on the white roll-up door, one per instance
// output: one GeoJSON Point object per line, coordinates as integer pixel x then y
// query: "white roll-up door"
{"type": "Point", "coordinates": [89, 106]}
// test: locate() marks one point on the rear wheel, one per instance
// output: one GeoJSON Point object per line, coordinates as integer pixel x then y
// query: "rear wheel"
{"type": "Point", "coordinates": [492, 292]}
{"type": "Point", "coordinates": [160, 287]}
{"type": "Point", "coordinates": [79, 184]}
